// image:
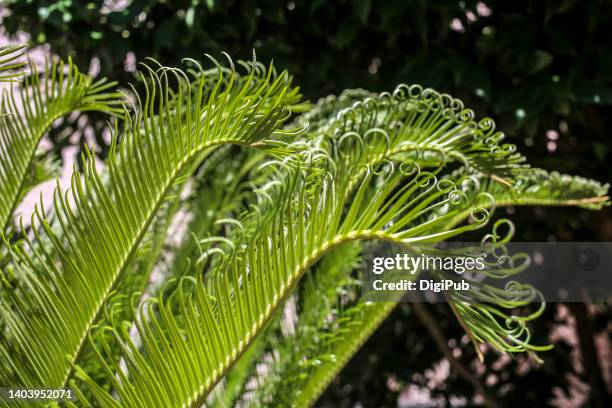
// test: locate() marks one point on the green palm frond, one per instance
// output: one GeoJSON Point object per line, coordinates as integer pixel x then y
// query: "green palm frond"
{"type": "Point", "coordinates": [483, 318]}
{"type": "Point", "coordinates": [143, 167]}
{"type": "Point", "coordinates": [418, 124]}
{"type": "Point", "coordinates": [540, 187]}
{"type": "Point", "coordinates": [27, 113]}
{"type": "Point", "coordinates": [297, 374]}
{"type": "Point", "coordinates": [214, 193]}
{"type": "Point", "coordinates": [137, 280]}
{"type": "Point", "coordinates": [300, 365]}
{"type": "Point", "coordinates": [190, 341]}
{"type": "Point", "coordinates": [10, 65]}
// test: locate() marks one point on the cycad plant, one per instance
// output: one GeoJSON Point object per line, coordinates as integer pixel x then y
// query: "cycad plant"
{"type": "Point", "coordinates": [212, 259]}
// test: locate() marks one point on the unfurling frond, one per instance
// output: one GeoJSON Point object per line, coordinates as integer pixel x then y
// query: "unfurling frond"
{"type": "Point", "coordinates": [537, 187]}
{"type": "Point", "coordinates": [488, 312]}
{"type": "Point", "coordinates": [302, 363]}
{"type": "Point", "coordinates": [103, 223]}
{"type": "Point", "coordinates": [28, 111]}
{"type": "Point", "coordinates": [183, 358]}
{"type": "Point", "coordinates": [10, 63]}
{"type": "Point", "coordinates": [419, 124]}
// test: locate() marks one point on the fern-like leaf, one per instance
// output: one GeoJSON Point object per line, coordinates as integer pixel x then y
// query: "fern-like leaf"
{"type": "Point", "coordinates": [417, 124]}
{"type": "Point", "coordinates": [28, 111]}
{"type": "Point", "coordinates": [103, 223]}
{"type": "Point", "coordinates": [183, 358]}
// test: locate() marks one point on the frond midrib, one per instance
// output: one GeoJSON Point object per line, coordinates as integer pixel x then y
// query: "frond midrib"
{"type": "Point", "coordinates": [199, 398]}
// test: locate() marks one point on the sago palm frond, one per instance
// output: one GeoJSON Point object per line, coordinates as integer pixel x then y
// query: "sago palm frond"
{"type": "Point", "coordinates": [480, 315]}
{"type": "Point", "coordinates": [312, 379]}
{"type": "Point", "coordinates": [216, 193]}
{"type": "Point", "coordinates": [483, 321]}
{"type": "Point", "coordinates": [191, 339]}
{"type": "Point", "coordinates": [300, 365]}
{"type": "Point", "coordinates": [314, 371]}
{"type": "Point", "coordinates": [28, 111]}
{"type": "Point", "coordinates": [418, 124]}
{"type": "Point", "coordinates": [63, 297]}
{"type": "Point", "coordinates": [137, 279]}
{"type": "Point", "coordinates": [539, 187]}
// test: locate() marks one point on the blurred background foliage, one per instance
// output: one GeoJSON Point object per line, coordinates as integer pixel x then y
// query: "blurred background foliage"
{"type": "Point", "coordinates": [541, 68]}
